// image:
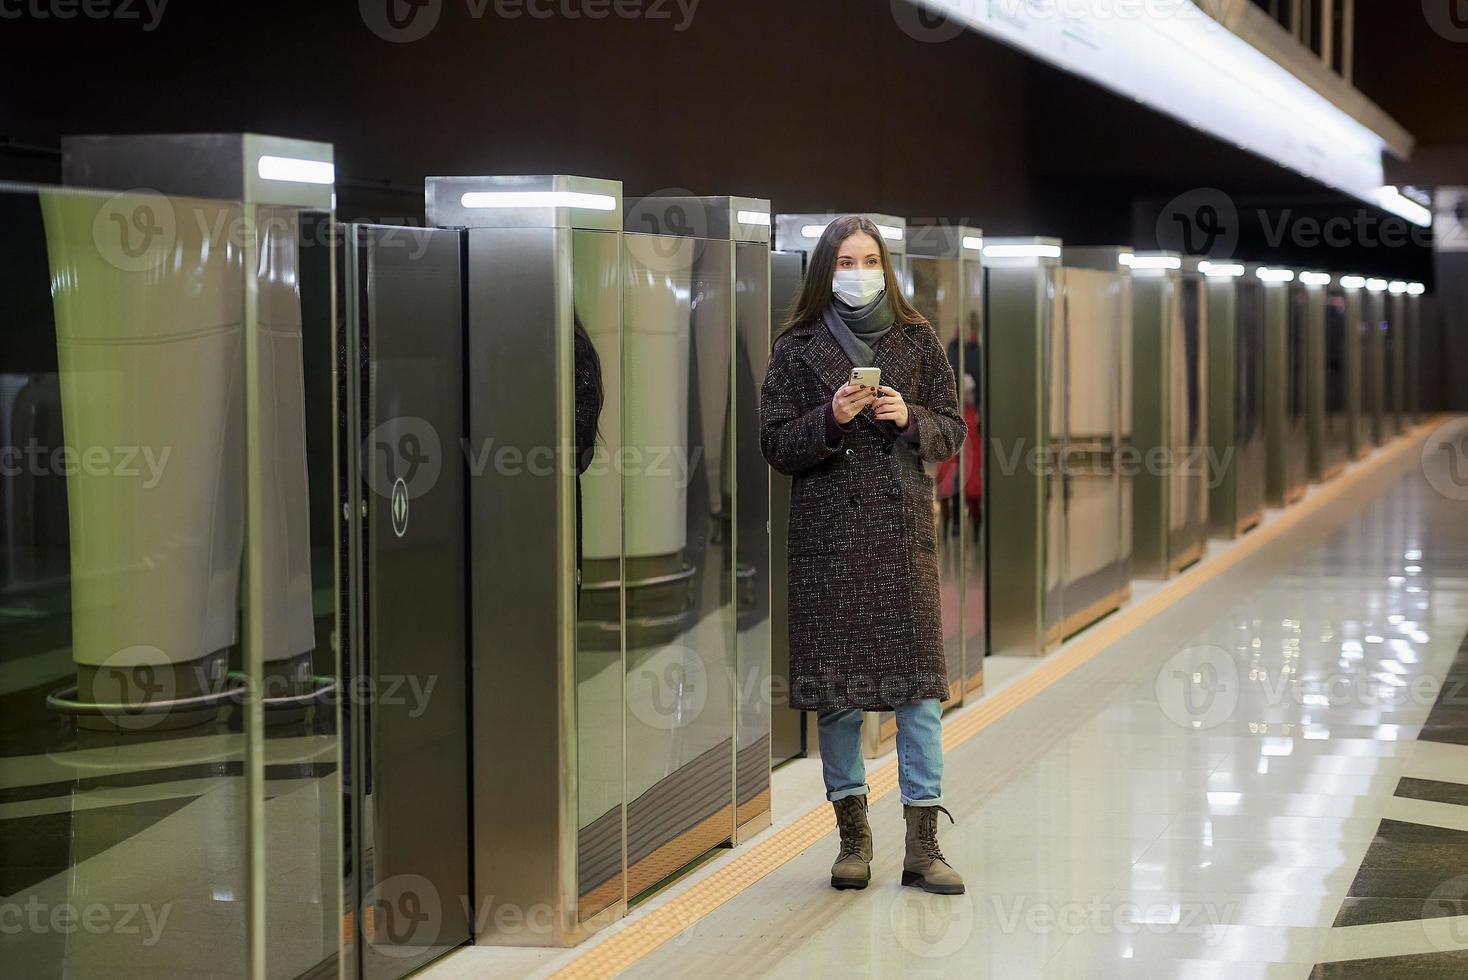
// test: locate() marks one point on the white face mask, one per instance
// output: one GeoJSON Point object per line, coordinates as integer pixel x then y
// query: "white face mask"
{"type": "Point", "coordinates": [858, 287]}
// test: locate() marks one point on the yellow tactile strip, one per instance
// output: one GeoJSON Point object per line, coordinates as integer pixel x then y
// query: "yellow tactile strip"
{"type": "Point", "coordinates": [636, 938]}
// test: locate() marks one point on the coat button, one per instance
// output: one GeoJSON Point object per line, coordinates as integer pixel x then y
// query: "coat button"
{"type": "Point", "coordinates": [854, 501]}
{"type": "Point", "coordinates": [851, 454]}
{"type": "Point", "coordinates": [894, 491]}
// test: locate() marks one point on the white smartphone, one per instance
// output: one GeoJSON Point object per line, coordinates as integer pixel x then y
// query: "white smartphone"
{"type": "Point", "coordinates": [871, 377]}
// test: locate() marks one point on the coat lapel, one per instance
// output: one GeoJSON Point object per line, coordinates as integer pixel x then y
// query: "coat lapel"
{"type": "Point", "coordinates": [897, 355]}
{"type": "Point", "coordinates": [825, 357]}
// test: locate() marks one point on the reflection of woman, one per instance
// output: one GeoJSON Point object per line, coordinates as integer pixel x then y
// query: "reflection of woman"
{"type": "Point", "coordinates": [587, 381]}
{"type": "Point", "coordinates": [865, 629]}
{"type": "Point", "coordinates": [973, 473]}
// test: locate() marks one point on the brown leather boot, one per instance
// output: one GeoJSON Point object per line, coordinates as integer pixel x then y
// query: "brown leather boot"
{"type": "Point", "coordinates": [853, 867]}
{"type": "Point", "coordinates": [924, 865]}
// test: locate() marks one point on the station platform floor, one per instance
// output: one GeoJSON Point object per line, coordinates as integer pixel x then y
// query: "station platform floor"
{"type": "Point", "coordinates": [1258, 769]}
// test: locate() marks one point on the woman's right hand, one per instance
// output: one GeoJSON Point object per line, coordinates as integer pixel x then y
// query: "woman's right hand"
{"type": "Point", "coordinates": [849, 400]}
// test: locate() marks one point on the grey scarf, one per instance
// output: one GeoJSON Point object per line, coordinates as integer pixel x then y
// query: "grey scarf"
{"type": "Point", "coordinates": [858, 328]}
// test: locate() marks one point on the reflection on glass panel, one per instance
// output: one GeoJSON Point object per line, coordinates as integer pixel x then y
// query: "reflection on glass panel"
{"type": "Point", "coordinates": [302, 788]}
{"type": "Point", "coordinates": [121, 392]}
{"type": "Point", "coordinates": [598, 409]}
{"type": "Point", "coordinates": [1337, 409]}
{"type": "Point", "coordinates": [1188, 489]}
{"type": "Point", "coordinates": [937, 294]}
{"type": "Point", "coordinates": [752, 548]}
{"type": "Point", "coordinates": [678, 339]}
{"type": "Point", "coordinates": [1250, 444]}
{"type": "Point", "coordinates": [403, 657]}
{"type": "Point", "coordinates": [1053, 332]}
{"type": "Point", "coordinates": [1296, 456]}
{"type": "Point", "coordinates": [1092, 487]}
{"type": "Point", "coordinates": [969, 372]}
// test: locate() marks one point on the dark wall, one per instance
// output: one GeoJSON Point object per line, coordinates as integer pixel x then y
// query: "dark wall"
{"type": "Point", "coordinates": [816, 104]}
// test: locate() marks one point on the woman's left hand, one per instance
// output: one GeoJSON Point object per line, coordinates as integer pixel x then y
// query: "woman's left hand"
{"type": "Point", "coordinates": [890, 406]}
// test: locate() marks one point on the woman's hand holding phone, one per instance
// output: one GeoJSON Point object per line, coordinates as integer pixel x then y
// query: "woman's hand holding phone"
{"type": "Point", "coordinates": [849, 400]}
{"type": "Point", "coordinates": [890, 405]}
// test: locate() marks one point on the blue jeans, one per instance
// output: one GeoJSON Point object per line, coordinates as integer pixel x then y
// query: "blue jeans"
{"type": "Point", "coordinates": [919, 753]}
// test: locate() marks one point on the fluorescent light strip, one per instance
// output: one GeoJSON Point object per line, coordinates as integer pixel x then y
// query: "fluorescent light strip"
{"type": "Point", "coordinates": [890, 232]}
{"type": "Point", "coordinates": [1162, 262]}
{"type": "Point", "coordinates": [1376, 285]}
{"type": "Point", "coordinates": [1221, 270]}
{"type": "Point", "coordinates": [1352, 282]}
{"type": "Point", "coordinates": [538, 199]}
{"type": "Point", "coordinates": [812, 231]}
{"type": "Point", "coordinates": [973, 242]}
{"type": "Point", "coordinates": [1022, 251]}
{"type": "Point", "coordinates": [1389, 198]}
{"type": "Point", "coordinates": [753, 217]}
{"type": "Point", "coordinates": [295, 170]}
{"type": "Point", "coordinates": [1125, 258]}
{"type": "Point", "coordinates": [1397, 287]}
{"type": "Point", "coordinates": [1415, 289]}
{"type": "Point", "coordinates": [1275, 275]}
{"type": "Point", "coordinates": [1181, 61]}
{"type": "Point", "coordinates": [1315, 278]}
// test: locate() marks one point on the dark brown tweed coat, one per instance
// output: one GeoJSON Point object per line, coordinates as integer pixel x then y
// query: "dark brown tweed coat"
{"type": "Point", "coordinates": [865, 628]}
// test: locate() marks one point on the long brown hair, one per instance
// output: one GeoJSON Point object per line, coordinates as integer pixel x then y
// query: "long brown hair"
{"type": "Point", "coordinates": [815, 292]}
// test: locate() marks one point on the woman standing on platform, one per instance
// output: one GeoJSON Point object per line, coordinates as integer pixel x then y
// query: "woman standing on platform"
{"type": "Point", "coordinates": [865, 630]}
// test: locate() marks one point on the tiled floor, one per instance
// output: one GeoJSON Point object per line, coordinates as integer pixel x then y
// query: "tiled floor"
{"type": "Point", "coordinates": [1266, 780]}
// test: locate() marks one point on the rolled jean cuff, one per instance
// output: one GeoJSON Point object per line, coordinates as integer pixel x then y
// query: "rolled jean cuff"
{"type": "Point", "coordinates": [842, 794]}
{"type": "Point", "coordinates": [936, 802]}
